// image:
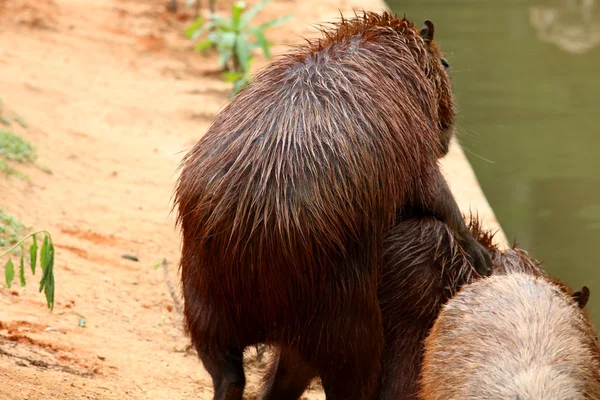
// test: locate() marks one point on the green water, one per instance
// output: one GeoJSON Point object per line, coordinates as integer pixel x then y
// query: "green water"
{"type": "Point", "coordinates": [530, 120]}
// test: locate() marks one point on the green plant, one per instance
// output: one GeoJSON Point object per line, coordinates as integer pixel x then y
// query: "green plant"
{"type": "Point", "coordinates": [10, 229]}
{"type": "Point", "coordinates": [14, 148]}
{"type": "Point", "coordinates": [234, 39]}
{"type": "Point", "coordinates": [46, 258]}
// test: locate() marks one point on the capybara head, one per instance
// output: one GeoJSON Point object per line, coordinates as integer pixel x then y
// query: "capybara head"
{"type": "Point", "coordinates": [395, 34]}
{"type": "Point", "coordinates": [511, 335]}
{"type": "Point", "coordinates": [436, 70]}
{"type": "Point", "coordinates": [516, 259]}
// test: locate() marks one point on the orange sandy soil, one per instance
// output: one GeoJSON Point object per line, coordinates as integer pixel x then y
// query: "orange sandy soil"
{"type": "Point", "coordinates": [114, 96]}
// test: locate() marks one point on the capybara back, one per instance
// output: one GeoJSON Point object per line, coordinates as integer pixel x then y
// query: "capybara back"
{"type": "Point", "coordinates": [285, 202]}
{"type": "Point", "coordinates": [511, 335]}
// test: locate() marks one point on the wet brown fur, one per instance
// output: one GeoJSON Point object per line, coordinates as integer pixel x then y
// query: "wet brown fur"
{"type": "Point", "coordinates": [285, 202]}
{"type": "Point", "coordinates": [423, 268]}
{"type": "Point", "coordinates": [518, 335]}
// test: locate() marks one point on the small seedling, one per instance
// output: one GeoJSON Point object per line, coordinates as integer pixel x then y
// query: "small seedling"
{"type": "Point", "coordinates": [10, 229]}
{"type": "Point", "coordinates": [46, 257]}
{"type": "Point", "coordinates": [234, 39]}
{"type": "Point", "coordinates": [16, 149]}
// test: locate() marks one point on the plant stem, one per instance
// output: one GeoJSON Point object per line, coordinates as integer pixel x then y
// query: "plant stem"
{"type": "Point", "coordinates": [25, 238]}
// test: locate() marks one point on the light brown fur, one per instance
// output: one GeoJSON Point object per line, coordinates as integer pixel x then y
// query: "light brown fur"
{"type": "Point", "coordinates": [511, 335]}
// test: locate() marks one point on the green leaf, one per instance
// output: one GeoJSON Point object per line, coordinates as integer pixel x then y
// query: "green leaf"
{"type": "Point", "coordinates": [224, 57]}
{"type": "Point", "coordinates": [239, 85]}
{"type": "Point", "coordinates": [242, 51]}
{"type": "Point", "coordinates": [156, 265]}
{"type": "Point", "coordinates": [33, 254]}
{"type": "Point", "coordinates": [207, 26]}
{"type": "Point", "coordinates": [222, 23]}
{"type": "Point", "coordinates": [47, 263]}
{"type": "Point", "coordinates": [252, 12]}
{"type": "Point", "coordinates": [203, 45]}
{"type": "Point", "coordinates": [9, 272]}
{"type": "Point", "coordinates": [261, 41]}
{"type": "Point", "coordinates": [49, 292]}
{"type": "Point", "coordinates": [232, 76]}
{"type": "Point", "coordinates": [275, 22]}
{"type": "Point", "coordinates": [236, 12]}
{"type": "Point", "coordinates": [225, 40]}
{"type": "Point", "coordinates": [4, 120]}
{"type": "Point", "coordinates": [81, 322]}
{"type": "Point", "coordinates": [22, 267]}
{"type": "Point", "coordinates": [193, 28]}
{"type": "Point", "coordinates": [44, 254]}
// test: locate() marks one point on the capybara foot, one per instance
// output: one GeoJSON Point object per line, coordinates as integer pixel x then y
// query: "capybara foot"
{"type": "Point", "coordinates": [229, 391]}
{"type": "Point", "coordinates": [480, 257]}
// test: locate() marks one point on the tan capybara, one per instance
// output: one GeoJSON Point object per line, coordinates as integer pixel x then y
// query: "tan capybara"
{"type": "Point", "coordinates": [285, 202]}
{"type": "Point", "coordinates": [513, 336]}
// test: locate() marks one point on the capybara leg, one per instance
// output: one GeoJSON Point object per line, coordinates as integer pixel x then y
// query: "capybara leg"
{"type": "Point", "coordinates": [348, 359]}
{"type": "Point", "coordinates": [227, 372]}
{"type": "Point", "coordinates": [443, 206]}
{"type": "Point", "coordinates": [288, 376]}
{"type": "Point", "coordinates": [402, 359]}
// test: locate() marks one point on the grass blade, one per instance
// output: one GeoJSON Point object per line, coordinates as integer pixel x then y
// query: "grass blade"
{"type": "Point", "coordinates": [33, 254]}
{"type": "Point", "coordinates": [9, 272]}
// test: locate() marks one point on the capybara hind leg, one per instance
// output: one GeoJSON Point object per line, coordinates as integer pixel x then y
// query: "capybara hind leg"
{"type": "Point", "coordinates": [227, 372]}
{"type": "Point", "coordinates": [349, 362]}
{"type": "Point", "coordinates": [288, 376]}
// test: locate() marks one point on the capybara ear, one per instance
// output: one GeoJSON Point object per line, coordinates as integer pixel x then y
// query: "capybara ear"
{"type": "Point", "coordinates": [582, 296]}
{"type": "Point", "coordinates": [427, 31]}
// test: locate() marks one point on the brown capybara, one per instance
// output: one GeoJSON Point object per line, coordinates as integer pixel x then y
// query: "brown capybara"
{"type": "Point", "coordinates": [511, 336]}
{"type": "Point", "coordinates": [285, 201]}
{"type": "Point", "coordinates": [423, 267]}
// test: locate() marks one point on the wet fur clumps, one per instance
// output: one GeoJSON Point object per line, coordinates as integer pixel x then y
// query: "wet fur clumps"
{"type": "Point", "coordinates": [423, 268]}
{"type": "Point", "coordinates": [285, 203]}
{"type": "Point", "coordinates": [517, 335]}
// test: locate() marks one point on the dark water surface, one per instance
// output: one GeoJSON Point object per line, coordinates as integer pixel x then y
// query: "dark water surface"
{"type": "Point", "coordinates": [526, 75]}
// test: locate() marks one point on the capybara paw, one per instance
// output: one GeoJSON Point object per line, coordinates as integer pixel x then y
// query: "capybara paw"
{"type": "Point", "coordinates": [480, 257]}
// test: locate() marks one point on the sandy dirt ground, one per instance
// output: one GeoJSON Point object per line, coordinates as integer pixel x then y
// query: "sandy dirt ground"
{"type": "Point", "coordinates": [114, 96]}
